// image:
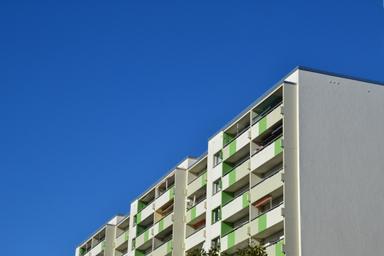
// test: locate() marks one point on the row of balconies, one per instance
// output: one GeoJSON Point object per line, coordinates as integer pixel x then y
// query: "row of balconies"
{"type": "Point", "coordinates": [153, 231]}
{"type": "Point", "coordinates": [258, 228]}
{"type": "Point", "coordinates": [197, 183]}
{"type": "Point", "coordinates": [271, 185]}
{"type": "Point", "coordinates": [163, 249]}
{"type": "Point", "coordinates": [238, 209]}
{"type": "Point", "coordinates": [244, 179]}
{"type": "Point", "coordinates": [156, 240]}
{"type": "Point", "coordinates": [96, 250]}
{"type": "Point", "coordinates": [155, 205]}
{"type": "Point", "coordinates": [250, 179]}
{"type": "Point", "coordinates": [232, 144]}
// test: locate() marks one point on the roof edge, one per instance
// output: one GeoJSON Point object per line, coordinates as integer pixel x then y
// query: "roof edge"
{"type": "Point", "coordinates": [356, 78]}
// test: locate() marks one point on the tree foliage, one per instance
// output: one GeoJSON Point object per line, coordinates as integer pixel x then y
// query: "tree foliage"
{"type": "Point", "coordinates": [202, 252]}
{"type": "Point", "coordinates": [250, 250]}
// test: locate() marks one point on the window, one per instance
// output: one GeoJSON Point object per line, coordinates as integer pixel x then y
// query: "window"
{"type": "Point", "coordinates": [134, 220]}
{"type": "Point", "coordinates": [216, 215]}
{"type": "Point", "coordinates": [215, 243]}
{"type": "Point", "coordinates": [216, 187]}
{"type": "Point", "coordinates": [217, 158]}
{"type": "Point", "coordinates": [133, 243]}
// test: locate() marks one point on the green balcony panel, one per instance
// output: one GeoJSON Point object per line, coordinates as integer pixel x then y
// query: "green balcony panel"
{"type": "Point", "coordinates": [227, 168]}
{"type": "Point", "coordinates": [226, 228]}
{"type": "Point", "coordinates": [227, 138]}
{"type": "Point", "coordinates": [226, 197]}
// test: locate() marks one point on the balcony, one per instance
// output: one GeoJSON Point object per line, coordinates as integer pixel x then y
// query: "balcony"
{"type": "Point", "coordinates": [96, 250]}
{"type": "Point", "coordinates": [145, 252]}
{"type": "Point", "coordinates": [236, 143]}
{"type": "Point", "coordinates": [196, 211]}
{"type": "Point", "coordinates": [121, 239]}
{"type": "Point", "coordinates": [195, 239]}
{"type": "Point", "coordinates": [266, 120]}
{"type": "Point", "coordinates": [144, 213]}
{"type": "Point", "coordinates": [236, 173]}
{"type": "Point", "coordinates": [268, 156]}
{"type": "Point", "coordinates": [267, 223]}
{"type": "Point", "coordinates": [235, 239]}
{"type": "Point", "coordinates": [165, 198]}
{"type": "Point", "coordinates": [164, 249]}
{"type": "Point", "coordinates": [236, 206]}
{"type": "Point", "coordinates": [144, 238]}
{"type": "Point", "coordinates": [275, 249]}
{"type": "Point", "coordinates": [270, 185]}
{"type": "Point", "coordinates": [162, 224]}
{"type": "Point", "coordinates": [197, 183]}
{"type": "Point", "coordinates": [96, 245]}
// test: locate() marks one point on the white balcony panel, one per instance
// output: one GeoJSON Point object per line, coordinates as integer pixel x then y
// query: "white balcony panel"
{"type": "Point", "coordinates": [163, 224]}
{"type": "Point", "coordinates": [144, 237]}
{"type": "Point", "coordinates": [269, 152]}
{"type": "Point", "coordinates": [196, 211]}
{"type": "Point", "coordinates": [236, 144]}
{"type": "Point", "coordinates": [236, 174]}
{"type": "Point", "coordinates": [275, 249]}
{"type": "Point", "coordinates": [96, 250]}
{"type": "Point", "coordinates": [266, 122]}
{"type": "Point", "coordinates": [235, 237]}
{"type": "Point", "coordinates": [266, 187]}
{"type": "Point", "coordinates": [121, 239]}
{"type": "Point", "coordinates": [165, 198]}
{"type": "Point", "coordinates": [235, 205]}
{"type": "Point", "coordinates": [197, 184]}
{"type": "Point", "coordinates": [195, 239]}
{"type": "Point", "coordinates": [145, 213]}
{"type": "Point", "coordinates": [267, 220]}
{"type": "Point", "coordinates": [163, 250]}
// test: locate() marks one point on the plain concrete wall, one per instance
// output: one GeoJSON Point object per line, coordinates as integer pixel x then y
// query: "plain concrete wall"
{"type": "Point", "coordinates": [341, 151]}
{"type": "Point", "coordinates": [178, 212]}
{"type": "Point", "coordinates": [291, 173]}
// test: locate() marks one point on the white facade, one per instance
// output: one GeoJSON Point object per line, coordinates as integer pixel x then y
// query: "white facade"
{"type": "Point", "coordinates": [298, 172]}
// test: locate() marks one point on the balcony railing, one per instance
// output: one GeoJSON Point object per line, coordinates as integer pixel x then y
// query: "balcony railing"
{"type": "Point", "coordinates": [237, 135]}
{"type": "Point", "coordinates": [143, 231]}
{"type": "Point", "coordinates": [245, 190]}
{"type": "Point", "coordinates": [165, 191]}
{"type": "Point", "coordinates": [266, 112]}
{"type": "Point", "coordinates": [198, 176]}
{"type": "Point", "coordinates": [275, 248]}
{"type": "Point", "coordinates": [269, 143]}
{"type": "Point", "coordinates": [195, 231]}
{"type": "Point", "coordinates": [167, 241]}
{"type": "Point", "coordinates": [269, 210]}
{"type": "Point", "coordinates": [236, 166]}
{"type": "Point", "coordinates": [270, 175]}
{"type": "Point", "coordinates": [195, 238]}
{"type": "Point", "coordinates": [196, 203]}
{"type": "Point", "coordinates": [163, 223]}
{"type": "Point", "coordinates": [121, 238]}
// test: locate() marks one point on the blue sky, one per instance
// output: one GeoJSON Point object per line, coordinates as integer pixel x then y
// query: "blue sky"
{"type": "Point", "coordinates": [98, 99]}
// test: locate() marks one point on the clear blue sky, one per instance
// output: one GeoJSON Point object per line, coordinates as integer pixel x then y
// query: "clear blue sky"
{"type": "Point", "coordinates": [99, 99]}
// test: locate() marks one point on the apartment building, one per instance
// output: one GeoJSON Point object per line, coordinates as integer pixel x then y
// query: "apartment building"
{"type": "Point", "coordinates": [300, 172]}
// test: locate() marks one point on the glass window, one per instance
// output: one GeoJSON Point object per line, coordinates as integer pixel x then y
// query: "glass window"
{"type": "Point", "coordinates": [216, 243]}
{"type": "Point", "coordinates": [216, 186]}
{"type": "Point", "coordinates": [216, 215]}
{"type": "Point", "coordinates": [217, 158]}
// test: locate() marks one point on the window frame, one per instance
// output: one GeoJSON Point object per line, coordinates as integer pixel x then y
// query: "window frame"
{"type": "Point", "coordinates": [217, 183]}
{"type": "Point", "coordinates": [216, 212]}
